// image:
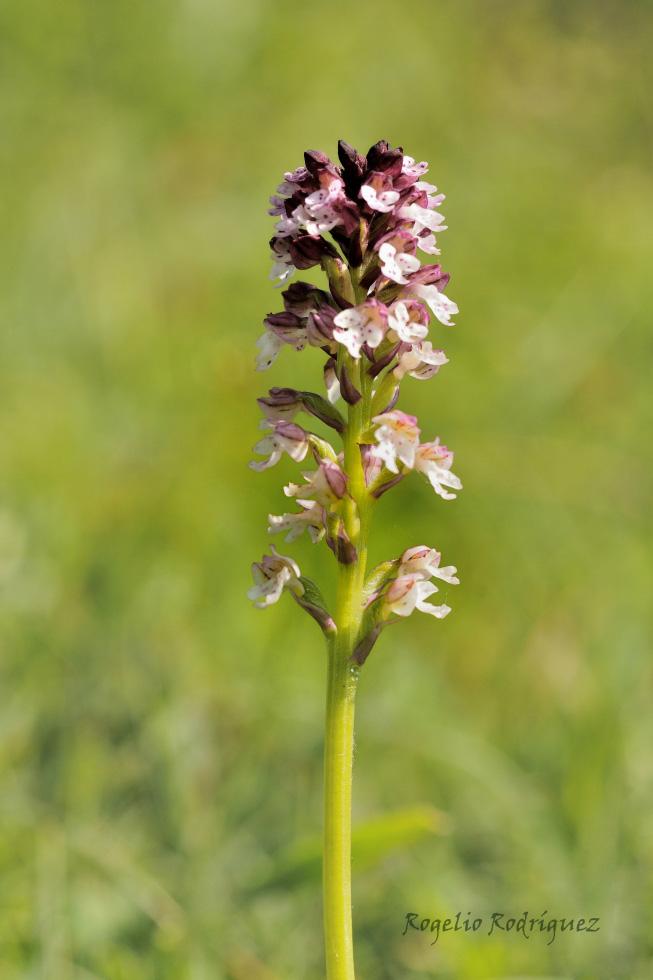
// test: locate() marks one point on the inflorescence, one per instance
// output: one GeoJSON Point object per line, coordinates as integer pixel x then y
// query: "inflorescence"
{"type": "Point", "coordinates": [372, 325]}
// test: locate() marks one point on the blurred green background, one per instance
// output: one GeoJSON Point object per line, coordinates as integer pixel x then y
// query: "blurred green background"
{"type": "Point", "coordinates": [160, 739]}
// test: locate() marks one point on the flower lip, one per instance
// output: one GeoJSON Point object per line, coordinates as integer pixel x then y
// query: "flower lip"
{"type": "Point", "coordinates": [408, 593]}
{"type": "Point", "coordinates": [283, 437]}
{"type": "Point", "coordinates": [360, 325]}
{"type": "Point", "coordinates": [272, 575]}
{"type": "Point", "coordinates": [397, 437]}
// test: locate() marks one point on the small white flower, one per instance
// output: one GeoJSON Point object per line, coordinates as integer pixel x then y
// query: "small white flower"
{"type": "Point", "coordinates": [333, 191]}
{"type": "Point", "coordinates": [272, 575]}
{"type": "Point", "coordinates": [327, 484]}
{"type": "Point", "coordinates": [441, 306]}
{"type": "Point", "coordinates": [434, 462]}
{"type": "Point", "coordinates": [434, 200]}
{"type": "Point", "coordinates": [281, 270]}
{"type": "Point", "coordinates": [395, 265]}
{"type": "Point", "coordinates": [428, 244]}
{"type": "Point", "coordinates": [288, 226]}
{"type": "Point", "coordinates": [412, 169]}
{"type": "Point", "coordinates": [284, 437]}
{"type": "Point", "coordinates": [277, 205]}
{"type": "Point", "coordinates": [425, 562]}
{"type": "Point", "coordinates": [365, 324]}
{"type": "Point", "coordinates": [420, 362]}
{"type": "Point", "coordinates": [408, 320]}
{"type": "Point", "coordinates": [410, 592]}
{"type": "Point", "coordinates": [398, 439]}
{"type": "Point", "coordinates": [377, 198]}
{"type": "Point", "coordinates": [316, 220]}
{"type": "Point", "coordinates": [423, 218]}
{"type": "Point", "coordinates": [310, 518]}
{"type": "Point", "coordinates": [282, 265]}
{"type": "Point", "coordinates": [269, 346]}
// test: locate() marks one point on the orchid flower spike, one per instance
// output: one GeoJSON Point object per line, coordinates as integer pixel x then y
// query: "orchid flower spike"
{"type": "Point", "coordinates": [372, 225]}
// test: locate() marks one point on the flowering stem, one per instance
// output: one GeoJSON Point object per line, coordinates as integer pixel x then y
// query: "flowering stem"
{"type": "Point", "coordinates": [372, 323]}
{"type": "Point", "coordinates": [341, 694]}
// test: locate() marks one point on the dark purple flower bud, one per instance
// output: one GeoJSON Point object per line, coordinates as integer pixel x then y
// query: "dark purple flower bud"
{"type": "Point", "coordinates": [283, 321]}
{"type": "Point", "coordinates": [405, 181]}
{"type": "Point", "coordinates": [354, 167]}
{"type": "Point", "coordinates": [349, 215]}
{"type": "Point", "coordinates": [348, 391]}
{"type": "Point", "coordinates": [302, 297]}
{"type": "Point", "coordinates": [342, 546]}
{"type": "Point", "coordinates": [301, 178]}
{"type": "Point", "coordinates": [353, 163]}
{"type": "Point", "coordinates": [375, 153]}
{"type": "Point", "coordinates": [280, 403]}
{"type": "Point", "coordinates": [317, 162]}
{"type": "Point", "coordinates": [364, 648]}
{"type": "Point", "coordinates": [335, 478]}
{"type": "Point", "coordinates": [430, 275]}
{"type": "Point", "coordinates": [319, 327]}
{"type": "Point", "coordinates": [306, 251]}
{"type": "Point", "coordinates": [291, 431]}
{"type": "Point", "coordinates": [287, 327]}
{"type": "Point", "coordinates": [385, 160]}
{"type": "Point", "coordinates": [383, 361]}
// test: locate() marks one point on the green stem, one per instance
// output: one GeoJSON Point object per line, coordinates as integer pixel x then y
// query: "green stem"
{"type": "Point", "coordinates": [338, 759]}
{"type": "Point", "coordinates": [341, 695]}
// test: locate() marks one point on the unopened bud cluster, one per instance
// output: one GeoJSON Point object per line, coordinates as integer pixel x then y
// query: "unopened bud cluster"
{"type": "Point", "coordinates": [364, 223]}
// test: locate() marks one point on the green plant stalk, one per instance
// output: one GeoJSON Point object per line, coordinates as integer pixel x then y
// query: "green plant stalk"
{"type": "Point", "coordinates": [341, 694]}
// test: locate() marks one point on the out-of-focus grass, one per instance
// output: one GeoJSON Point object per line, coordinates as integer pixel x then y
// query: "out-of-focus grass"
{"type": "Point", "coordinates": [160, 741]}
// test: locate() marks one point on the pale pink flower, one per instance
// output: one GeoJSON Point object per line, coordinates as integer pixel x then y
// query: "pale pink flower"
{"type": "Point", "coordinates": [364, 324]}
{"type": "Point", "coordinates": [425, 561]}
{"type": "Point", "coordinates": [412, 169]}
{"type": "Point", "coordinates": [395, 264]}
{"type": "Point", "coordinates": [283, 437]}
{"type": "Point", "coordinates": [269, 346]}
{"type": "Point", "coordinates": [377, 193]}
{"type": "Point", "coordinates": [423, 218]}
{"type": "Point", "coordinates": [282, 263]}
{"type": "Point", "coordinates": [434, 462]}
{"type": "Point", "coordinates": [428, 244]}
{"type": "Point", "coordinates": [433, 199]}
{"type": "Point", "coordinates": [272, 575]}
{"type": "Point", "coordinates": [422, 361]}
{"type": "Point", "coordinates": [441, 306]}
{"type": "Point", "coordinates": [327, 484]}
{"type": "Point", "coordinates": [310, 518]}
{"type": "Point", "coordinates": [410, 592]}
{"type": "Point", "coordinates": [397, 436]}
{"type": "Point", "coordinates": [408, 321]}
